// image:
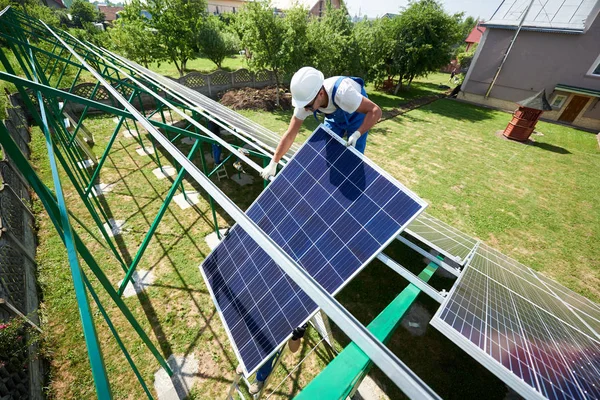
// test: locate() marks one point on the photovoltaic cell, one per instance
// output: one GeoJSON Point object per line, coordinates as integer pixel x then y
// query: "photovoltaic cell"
{"type": "Point", "coordinates": [520, 328]}
{"type": "Point", "coordinates": [329, 209]}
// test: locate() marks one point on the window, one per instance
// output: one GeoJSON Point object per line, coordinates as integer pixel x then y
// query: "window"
{"type": "Point", "coordinates": [558, 100]}
{"type": "Point", "coordinates": [595, 70]}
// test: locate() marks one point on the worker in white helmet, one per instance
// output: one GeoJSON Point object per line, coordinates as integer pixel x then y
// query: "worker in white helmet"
{"type": "Point", "coordinates": [348, 111]}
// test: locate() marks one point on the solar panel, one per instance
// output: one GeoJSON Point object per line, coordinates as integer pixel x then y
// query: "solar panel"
{"type": "Point", "coordinates": [503, 315]}
{"type": "Point", "coordinates": [440, 236]}
{"type": "Point", "coordinates": [332, 211]}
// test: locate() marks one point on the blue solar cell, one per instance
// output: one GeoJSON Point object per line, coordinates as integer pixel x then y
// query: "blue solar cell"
{"type": "Point", "coordinates": [326, 211]}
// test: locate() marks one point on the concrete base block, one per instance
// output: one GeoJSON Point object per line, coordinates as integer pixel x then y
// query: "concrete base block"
{"type": "Point", "coordinates": [188, 140]}
{"type": "Point", "coordinates": [142, 280]}
{"type": "Point", "coordinates": [101, 189]}
{"type": "Point", "coordinates": [144, 151]}
{"type": "Point", "coordinates": [164, 172]}
{"type": "Point", "coordinates": [369, 390]}
{"type": "Point", "coordinates": [242, 179]}
{"type": "Point", "coordinates": [177, 387]}
{"type": "Point", "coordinates": [114, 227]}
{"type": "Point", "coordinates": [116, 120]}
{"type": "Point", "coordinates": [209, 158]}
{"type": "Point", "coordinates": [129, 134]}
{"type": "Point", "coordinates": [212, 240]}
{"type": "Point", "coordinates": [85, 164]}
{"type": "Point", "coordinates": [192, 199]}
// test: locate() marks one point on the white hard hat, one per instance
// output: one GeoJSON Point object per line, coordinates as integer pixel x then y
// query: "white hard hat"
{"type": "Point", "coordinates": [305, 85]}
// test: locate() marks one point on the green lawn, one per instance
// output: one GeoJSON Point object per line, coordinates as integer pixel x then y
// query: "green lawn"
{"type": "Point", "coordinates": [203, 65]}
{"type": "Point", "coordinates": [537, 203]}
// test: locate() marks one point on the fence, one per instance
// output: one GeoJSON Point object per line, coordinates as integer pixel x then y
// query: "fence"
{"type": "Point", "coordinates": [208, 84]}
{"type": "Point", "coordinates": [18, 287]}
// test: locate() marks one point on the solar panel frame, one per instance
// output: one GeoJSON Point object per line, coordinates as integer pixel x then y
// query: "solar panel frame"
{"type": "Point", "coordinates": [472, 343]}
{"type": "Point", "coordinates": [422, 204]}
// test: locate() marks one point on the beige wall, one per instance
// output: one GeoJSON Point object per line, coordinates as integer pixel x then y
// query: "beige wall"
{"type": "Point", "coordinates": [223, 6]}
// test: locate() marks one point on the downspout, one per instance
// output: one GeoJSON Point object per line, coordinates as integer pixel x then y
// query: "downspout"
{"type": "Point", "coordinates": [512, 42]}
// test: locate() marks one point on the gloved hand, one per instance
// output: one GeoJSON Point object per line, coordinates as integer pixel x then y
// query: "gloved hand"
{"type": "Point", "coordinates": [353, 139]}
{"type": "Point", "coordinates": [269, 170]}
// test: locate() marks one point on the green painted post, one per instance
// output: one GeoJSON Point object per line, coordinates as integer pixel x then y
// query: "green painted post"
{"type": "Point", "coordinates": [51, 206]}
{"type": "Point", "coordinates": [210, 199]}
{"type": "Point", "coordinates": [87, 321]}
{"type": "Point", "coordinates": [157, 219]}
{"type": "Point", "coordinates": [117, 337]}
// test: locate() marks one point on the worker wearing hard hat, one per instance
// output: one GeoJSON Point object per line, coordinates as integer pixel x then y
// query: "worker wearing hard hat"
{"type": "Point", "coordinates": [343, 100]}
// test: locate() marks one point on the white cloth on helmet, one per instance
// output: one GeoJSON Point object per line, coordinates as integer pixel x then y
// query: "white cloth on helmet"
{"type": "Point", "coordinates": [347, 97]}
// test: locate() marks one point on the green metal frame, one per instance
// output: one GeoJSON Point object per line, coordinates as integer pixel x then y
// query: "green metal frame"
{"type": "Point", "coordinates": [41, 63]}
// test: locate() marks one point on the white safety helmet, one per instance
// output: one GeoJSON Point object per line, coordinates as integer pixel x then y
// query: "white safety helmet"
{"type": "Point", "coordinates": [305, 86]}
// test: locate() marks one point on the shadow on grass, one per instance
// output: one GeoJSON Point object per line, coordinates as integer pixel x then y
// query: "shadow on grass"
{"type": "Point", "coordinates": [460, 111]}
{"type": "Point", "coordinates": [550, 147]}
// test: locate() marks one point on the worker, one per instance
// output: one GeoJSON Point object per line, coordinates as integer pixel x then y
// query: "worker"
{"type": "Point", "coordinates": [344, 101]}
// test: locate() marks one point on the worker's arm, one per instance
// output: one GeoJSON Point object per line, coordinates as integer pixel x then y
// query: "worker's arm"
{"type": "Point", "coordinates": [284, 145]}
{"type": "Point", "coordinates": [288, 138]}
{"type": "Point", "coordinates": [372, 114]}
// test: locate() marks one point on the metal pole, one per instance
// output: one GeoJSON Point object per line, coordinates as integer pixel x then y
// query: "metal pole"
{"type": "Point", "coordinates": [512, 42]}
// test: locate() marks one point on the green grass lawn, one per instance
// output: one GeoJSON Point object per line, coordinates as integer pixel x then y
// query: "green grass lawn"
{"type": "Point", "coordinates": [203, 65]}
{"type": "Point", "coordinates": [537, 203]}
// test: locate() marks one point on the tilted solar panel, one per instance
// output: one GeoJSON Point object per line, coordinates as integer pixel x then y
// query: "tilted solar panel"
{"type": "Point", "coordinates": [503, 315]}
{"type": "Point", "coordinates": [332, 211]}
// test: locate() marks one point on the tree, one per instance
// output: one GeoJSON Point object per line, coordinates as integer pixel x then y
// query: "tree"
{"type": "Point", "coordinates": [466, 26]}
{"type": "Point", "coordinates": [376, 43]}
{"type": "Point", "coordinates": [333, 46]}
{"type": "Point", "coordinates": [176, 24]}
{"type": "Point", "coordinates": [466, 57]}
{"type": "Point", "coordinates": [137, 41]}
{"type": "Point", "coordinates": [82, 12]}
{"type": "Point", "coordinates": [424, 35]}
{"type": "Point", "coordinates": [214, 42]}
{"type": "Point", "coordinates": [275, 42]}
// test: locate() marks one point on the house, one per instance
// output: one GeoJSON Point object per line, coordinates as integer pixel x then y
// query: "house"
{"type": "Point", "coordinates": [110, 13]}
{"type": "Point", "coordinates": [474, 37]}
{"type": "Point", "coordinates": [315, 7]}
{"type": "Point", "coordinates": [557, 50]}
{"type": "Point", "coordinates": [217, 7]}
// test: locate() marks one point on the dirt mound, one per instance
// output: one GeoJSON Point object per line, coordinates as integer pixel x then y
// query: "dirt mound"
{"type": "Point", "coordinates": [256, 99]}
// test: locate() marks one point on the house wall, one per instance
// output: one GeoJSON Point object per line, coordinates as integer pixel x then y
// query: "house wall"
{"type": "Point", "coordinates": [224, 6]}
{"type": "Point", "coordinates": [321, 6]}
{"type": "Point", "coordinates": [537, 61]}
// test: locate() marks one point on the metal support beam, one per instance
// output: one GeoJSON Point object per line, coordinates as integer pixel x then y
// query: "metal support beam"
{"type": "Point", "coordinates": [412, 278]}
{"type": "Point", "coordinates": [430, 257]}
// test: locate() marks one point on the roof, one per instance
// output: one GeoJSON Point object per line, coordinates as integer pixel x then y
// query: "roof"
{"type": "Point", "coordinates": [578, 90]}
{"type": "Point", "coordinates": [475, 35]}
{"type": "Point", "coordinates": [571, 16]}
{"type": "Point", "coordinates": [110, 12]}
{"type": "Point", "coordinates": [538, 102]}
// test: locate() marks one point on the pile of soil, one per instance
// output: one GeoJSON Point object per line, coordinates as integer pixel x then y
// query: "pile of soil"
{"type": "Point", "coordinates": [257, 99]}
